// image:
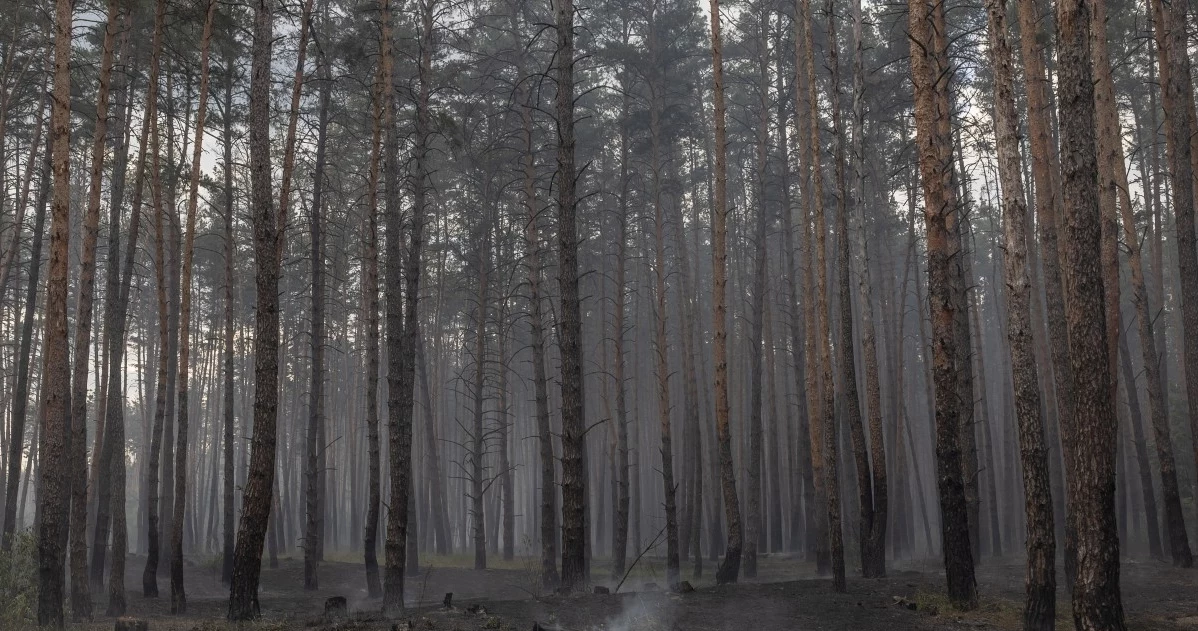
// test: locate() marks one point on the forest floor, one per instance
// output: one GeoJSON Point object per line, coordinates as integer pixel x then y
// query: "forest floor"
{"type": "Point", "coordinates": [785, 596]}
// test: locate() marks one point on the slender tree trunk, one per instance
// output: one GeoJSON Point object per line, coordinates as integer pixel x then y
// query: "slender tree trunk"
{"type": "Point", "coordinates": [53, 481]}
{"type": "Point", "coordinates": [799, 325]}
{"type": "Point", "coordinates": [150, 572]}
{"type": "Point", "coordinates": [1047, 206]}
{"type": "Point", "coordinates": [313, 524]}
{"type": "Point", "coordinates": [1039, 612]}
{"type": "Point", "coordinates": [228, 413]}
{"type": "Point", "coordinates": [81, 606]}
{"type": "Point", "coordinates": [729, 569]}
{"type": "Point", "coordinates": [1178, 91]}
{"type": "Point", "coordinates": [661, 350]}
{"type": "Point", "coordinates": [111, 506]}
{"type": "Point", "coordinates": [574, 510]}
{"type": "Point", "coordinates": [401, 444]}
{"type": "Point", "coordinates": [477, 436]}
{"type": "Point", "coordinates": [504, 431]}
{"type": "Point", "coordinates": [178, 594]}
{"type": "Point", "coordinates": [256, 503]}
{"type": "Point", "coordinates": [370, 290]}
{"type": "Point", "coordinates": [532, 253]}
{"type": "Point", "coordinates": [622, 473]}
{"type": "Point", "coordinates": [930, 77]}
{"type": "Point", "coordinates": [753, 532]}
{"type": "Point", "coordinates": [694, 433]}
{"type": "Point", "coordinates": [827, 420]}
{"type": "Point", "coordinates": [873, 547]}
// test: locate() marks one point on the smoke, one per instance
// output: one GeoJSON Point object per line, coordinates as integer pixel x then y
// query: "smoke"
{"type": "Point", "coordinates": [643, 612]}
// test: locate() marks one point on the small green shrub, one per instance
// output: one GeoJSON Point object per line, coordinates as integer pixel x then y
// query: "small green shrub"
{"type": "Point", "coordinates": [18, 582]}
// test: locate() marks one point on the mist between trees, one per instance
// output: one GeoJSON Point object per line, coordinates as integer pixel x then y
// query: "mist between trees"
{"type": "Point", "coordinates": [858, 285]}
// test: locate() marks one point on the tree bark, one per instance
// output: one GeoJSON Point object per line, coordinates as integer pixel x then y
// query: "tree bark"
{"type": "Point", "coordinates": [1092, 433]}
{"type": "Point", "coordinates": [1047, 207]}
{"type": "Point", "coordinates": [149, 578]}
{"type": "Point", "coordinates": [660, 347]}
{"type": "Point", "coordinates": [1179, 125]}
{"type": "Point", "coordinates": [370, 289]}
{"type": "Point", "coordinates": [256, 503]}
{"type": "Point", "coordinates": [574, 510]}
{"type": "Point", "coordinates": [930, 77]}
{"type": "Point", "coordinates": [829, 436]}
{"type": "Point", "coordinates": [313, 525]}
{"type": "Point", "coordinates": [1039, 611]}
{"type": "Point", "coordinates": [729, 569]}
{"type": "Point", "coordinates": [622, 472]}
{"type": "Point", "coordinates": [873, 546]}
{"type": "Point", "coordinates": [228, 414]}
{"type": "Point", "coordinates": [753, 532]}
{"type": "Point", "coordinates": [81, 606]}
{"type": "Point", "coordinates": [53, 480]}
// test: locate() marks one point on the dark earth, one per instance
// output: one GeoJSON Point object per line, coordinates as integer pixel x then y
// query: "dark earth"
{"type": "Point", "coordinates": [785, 596]}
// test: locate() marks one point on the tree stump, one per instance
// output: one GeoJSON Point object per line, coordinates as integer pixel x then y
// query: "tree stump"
{"type": "Point", "coordinates": [131, 624]}
{"type": "Point", "coordinates": [336, 608]}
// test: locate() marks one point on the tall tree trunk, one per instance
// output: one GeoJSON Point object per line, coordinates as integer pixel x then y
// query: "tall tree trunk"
{"type": "Point", "coordinates": [692, 422]}
{"type": "Point", "coordinates": [313, 524]}
{"type": "Point", "coordinates": [729, 569]}
{"type": "Point", "coordinates": [503, 433]}
{"type": "Point", "coordinates": [101, 461]}
{"type": "Point", "coordinates": [81, 606]}
{"type": "Point", "coordinates": [1039, 611]}
{"type": "Point", "coordinates": [661, 350]}
{"type": "Point", "coordinates": [256, 503]}
{"type": "Point", "coordinates": [753, 532]}
{"type": "Point", "coordinates": [873, 545]}
{"type": "Point", "coordinates": [574, 570]}
{"type": "Point", "coordinates": [477, 435]}
{"type": "Point", "coordinates": [370, 290]}
{"type": "Point", "coordinates": [178, 594]}
{"type": "Point", "coordinates": [1092, 432]}
{"type": "Point", "coordinates": [816, 495]}
{"type": "Point", "coordinates": [800, 326]}
{"type": "Point", "coordinates": [827, 420]}
{"type": "Point", "coordinates": [1178, 92]}
{"type": "Point", "coordinates": [1110, 171]}
{"type": "Point", "coordinates": [401, 445]}
{"type": "Point", "coordinates": [149, 578]}
{"type": "Point", "coordinates": [532, 253]}
{"type": "Point", "coordinates": [228, 413]}
{"type": "Point", "coordinates": [622, 473]}
{"type": "Point", "coordinates": [930, 77]}
{"type": "Point", "coordinates": [1047, 206]}
{"type": "Point", "coordinates": [53, 480]}
{"type": "Point", "coordinates": [112, 482]}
